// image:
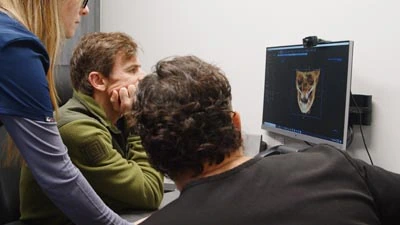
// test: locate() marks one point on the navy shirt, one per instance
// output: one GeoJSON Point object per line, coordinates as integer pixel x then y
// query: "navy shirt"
{"type": "Point", "coordinates": [24, 63]}
{"type": "Point", "coordinates": [24, 97]}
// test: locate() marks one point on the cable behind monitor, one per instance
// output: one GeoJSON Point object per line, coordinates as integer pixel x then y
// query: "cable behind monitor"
{"type": "Point", "coordinates": [360, 125]}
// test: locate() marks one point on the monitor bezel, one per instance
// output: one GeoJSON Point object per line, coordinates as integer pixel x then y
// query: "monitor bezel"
{"type": "Point", "coordinates": [305, 137]}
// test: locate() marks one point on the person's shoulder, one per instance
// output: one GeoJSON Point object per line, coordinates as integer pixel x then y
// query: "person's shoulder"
{"type": "Point", "coordinates": [76, 113]}
{"type": "Point", "coordinates": [333, 157]}
{"type": "Point", "coordinates": [72, 111]}
{"type": "Point", "coordinates": [70, 120]}
{"type": "Point", "coordinates": [11, 31]}
{"type": "Point", "coordinates": [75, 120]}
{"type": "Point", "coordinates": [315, 151]}
{"type": "Point", "coordinates": [325, 152]}
{"type": "Point", "coordinates": [317, 155]}
{"type": "Point", "coordinates": [323, 149]}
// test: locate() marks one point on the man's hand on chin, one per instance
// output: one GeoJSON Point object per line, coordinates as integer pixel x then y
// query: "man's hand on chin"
{"type": "Point", "coordinates": [123, 99]}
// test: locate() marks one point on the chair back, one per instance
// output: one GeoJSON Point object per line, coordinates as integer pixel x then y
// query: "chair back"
{"type": "Point", "coordinates": [9, 185]}
{"type": "Point", "coordinates": [63, 84]}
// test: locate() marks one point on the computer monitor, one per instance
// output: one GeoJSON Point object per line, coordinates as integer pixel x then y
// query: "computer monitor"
{"type": "Point", "coordinates": [307, 92]}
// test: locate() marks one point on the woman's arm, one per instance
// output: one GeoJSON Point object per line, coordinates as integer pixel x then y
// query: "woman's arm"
{"type": "Point", "coordinates": [43, 150]}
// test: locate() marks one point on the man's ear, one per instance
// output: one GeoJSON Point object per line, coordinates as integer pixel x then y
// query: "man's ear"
{"type": "Point", "coordinates": [236, 120]}
{"type": "Point", "coordinates": [97, 80]}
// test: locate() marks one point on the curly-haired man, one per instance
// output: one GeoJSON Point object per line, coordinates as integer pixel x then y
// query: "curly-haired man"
{"type": "Point", "coordinates": [187, 125]}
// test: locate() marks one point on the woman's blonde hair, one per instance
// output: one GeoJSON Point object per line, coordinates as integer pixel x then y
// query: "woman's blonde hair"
{"type": "Point", "coordinates": [42, 18]}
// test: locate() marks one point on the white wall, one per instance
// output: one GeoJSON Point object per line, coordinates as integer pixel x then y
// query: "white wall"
{"type": "Point", "coordinates": [234, 33]}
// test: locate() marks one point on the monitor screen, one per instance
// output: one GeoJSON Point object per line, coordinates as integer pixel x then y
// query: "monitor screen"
{"type": "Point", "coordinates": [307, 92]}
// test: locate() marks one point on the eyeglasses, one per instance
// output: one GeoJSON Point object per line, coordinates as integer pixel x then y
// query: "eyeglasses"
{"type": "Point", "coordinates": [84, 4]}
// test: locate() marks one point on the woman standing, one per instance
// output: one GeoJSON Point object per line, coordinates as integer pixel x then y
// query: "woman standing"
{"type": "Point", "coordinates": [31, 32]}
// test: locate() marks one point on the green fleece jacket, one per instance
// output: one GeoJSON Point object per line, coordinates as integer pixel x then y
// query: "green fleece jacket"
{"type": "Point", "coordinates": [113, 161]}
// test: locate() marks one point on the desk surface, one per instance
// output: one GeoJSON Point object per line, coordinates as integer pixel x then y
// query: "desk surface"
{"type": "Point", "coordinates": [139, 214]}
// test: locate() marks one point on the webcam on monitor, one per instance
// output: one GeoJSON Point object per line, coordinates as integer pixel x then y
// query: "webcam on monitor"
{"type": "Point", "coordinates": [311, 41]}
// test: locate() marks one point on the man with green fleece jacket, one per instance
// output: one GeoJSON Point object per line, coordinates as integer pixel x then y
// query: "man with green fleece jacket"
{"type": "Point", "coordinates": [94, 125]}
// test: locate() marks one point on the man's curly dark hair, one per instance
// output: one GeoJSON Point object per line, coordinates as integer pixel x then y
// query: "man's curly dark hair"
{"type": "Point", "coordinates": [184, 116]}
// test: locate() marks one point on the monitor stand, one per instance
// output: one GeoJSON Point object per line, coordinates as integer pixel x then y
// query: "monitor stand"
{"type": "Point", "coordinates": [169, 185]}
{"type": "Point", "coordinates": [281, 149]}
